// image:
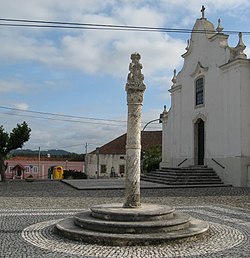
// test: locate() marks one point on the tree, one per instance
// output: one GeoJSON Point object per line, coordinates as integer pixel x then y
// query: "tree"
{"type": "Point", "coordinates": [152, 158]}
{"type": "Point", "coordinates": [8, 142]}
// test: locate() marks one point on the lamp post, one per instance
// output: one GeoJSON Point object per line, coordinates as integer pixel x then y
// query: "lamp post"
{"type": "Point", "coordinates": [158, 119]}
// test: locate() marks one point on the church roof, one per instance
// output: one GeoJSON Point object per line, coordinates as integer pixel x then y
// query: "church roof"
{"type": "Point", "coordinates": [118, 145]}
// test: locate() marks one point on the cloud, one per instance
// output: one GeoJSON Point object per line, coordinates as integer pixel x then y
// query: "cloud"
{"type": "Point", "coordinates": [11, 85]}
{"type": "Point", "coordinates": [23, 106]}
{"type": "Point", "coordinates": [95, 51]}
{"type": "Point", "coordinates": [71, 136]}
{"type": "Point", "coordinates": [104, 51]}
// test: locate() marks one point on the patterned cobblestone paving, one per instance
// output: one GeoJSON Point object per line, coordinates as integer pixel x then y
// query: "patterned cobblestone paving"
{"type": "Point", "coordinates": [28, 212]}
{"type": "Point", "coordinates": [230, 238]}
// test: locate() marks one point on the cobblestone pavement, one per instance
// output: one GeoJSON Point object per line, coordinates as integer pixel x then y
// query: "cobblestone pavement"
{"type": "Point", "coordinates": [29, 210]}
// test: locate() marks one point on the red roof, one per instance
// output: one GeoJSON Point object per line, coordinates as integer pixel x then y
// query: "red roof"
{"type": "Point", "coordinates": [118, 145]}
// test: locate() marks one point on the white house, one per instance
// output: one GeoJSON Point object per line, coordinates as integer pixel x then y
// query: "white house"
{"type": "Point", "coordinates": [208, 122]}
{"type": "Point", "coordinates": [110, 159]}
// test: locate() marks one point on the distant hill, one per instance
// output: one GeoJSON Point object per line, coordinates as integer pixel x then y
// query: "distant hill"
{"type": "Point", "coordinates": [71, 156]}
{"type": "Point", "coordinates": [53, 152]}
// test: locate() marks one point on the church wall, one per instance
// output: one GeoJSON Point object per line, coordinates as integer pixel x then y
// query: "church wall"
{"type": "Point", "coordinates": [234, 171]}
{"type": "Point", "coordinates": [245, 109]}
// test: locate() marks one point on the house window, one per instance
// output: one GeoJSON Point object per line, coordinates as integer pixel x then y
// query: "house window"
{"type": "Point", "coordinates": [10, 169]}
{"type": "Point", "coordinates": [35, 169]}
{"type": "Point", "coordinates": [103, 168]}
{"type": "Point", "coordinates": [199, 91]}
{"type": "Point", "coordinates": [27, 169]}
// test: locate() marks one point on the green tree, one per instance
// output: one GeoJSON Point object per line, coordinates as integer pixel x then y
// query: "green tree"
{"type": "Point", "coordinates": [152, 158]}
{"type": "Point", "coordinates": [14, 140]}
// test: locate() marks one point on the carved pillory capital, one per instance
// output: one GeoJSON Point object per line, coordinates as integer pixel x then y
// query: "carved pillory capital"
{"type": "Point", "coordinates": [135, 86]}
{"type": "Point", "coordinates": [135, 89]}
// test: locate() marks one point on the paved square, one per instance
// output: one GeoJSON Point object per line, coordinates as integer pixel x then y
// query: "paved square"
{"type": "Point", "coordinates": [29, 210]}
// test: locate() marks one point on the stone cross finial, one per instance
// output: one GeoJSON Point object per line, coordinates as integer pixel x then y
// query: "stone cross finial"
{"type": "Point", "coordinates": [174, 78]}
{"type": "Point", "coordinates": [203, 11]}
{"type": "Point", "coordinates": [219, 28]}
{"type": "Point", "coordinates": [238, 51]}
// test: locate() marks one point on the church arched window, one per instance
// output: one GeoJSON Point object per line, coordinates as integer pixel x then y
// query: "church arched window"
{"type": "Point", "coordinates": [199, 91]}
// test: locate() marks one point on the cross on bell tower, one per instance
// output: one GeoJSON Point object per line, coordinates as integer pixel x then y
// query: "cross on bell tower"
{"type": "Point", "coordinates": [203, 11]}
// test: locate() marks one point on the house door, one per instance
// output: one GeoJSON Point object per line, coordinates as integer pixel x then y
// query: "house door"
{"type": "Point", "coordinates": [19, 172]}
{"type": "Point", "coordinates": [199, 141]}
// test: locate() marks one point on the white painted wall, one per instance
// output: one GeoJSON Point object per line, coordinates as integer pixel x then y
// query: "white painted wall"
{"type": "Point", "coordinates": [110, 160]}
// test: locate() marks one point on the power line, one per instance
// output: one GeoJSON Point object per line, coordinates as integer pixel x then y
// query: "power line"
{"type": "Point", "coordinates": [95, 26]}
{"type": "Point", "coordinates": [82, 144]}
{"type": "Point", "coordinates": [63, 120]}
{"type": "Point", "coordinates": [62, 115]}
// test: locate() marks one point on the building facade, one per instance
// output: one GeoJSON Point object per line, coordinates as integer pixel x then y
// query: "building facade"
{"type": "Point", "coordinates": [110, 159]}
{"type": "Point", "coordinates": [22, 167]}
{"type": "Point", "coordinates": [208, 122]}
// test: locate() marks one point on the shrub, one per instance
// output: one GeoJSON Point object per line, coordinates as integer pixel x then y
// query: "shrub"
{"type": "Point", "coordinates": [73, 174]}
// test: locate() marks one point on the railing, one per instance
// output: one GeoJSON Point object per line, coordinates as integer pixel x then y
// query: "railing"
{"type": "Point", "coordinates": [215, 161]}
{"type": "Point", "coordinates": [182, 162]}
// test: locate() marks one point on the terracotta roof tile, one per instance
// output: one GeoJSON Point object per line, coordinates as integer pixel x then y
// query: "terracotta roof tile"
{"type": "Point", "coordinates": [118, 145]}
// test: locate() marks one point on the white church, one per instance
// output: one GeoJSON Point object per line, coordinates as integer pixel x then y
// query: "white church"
{"type": "Point", "coordinates": [208, 122]}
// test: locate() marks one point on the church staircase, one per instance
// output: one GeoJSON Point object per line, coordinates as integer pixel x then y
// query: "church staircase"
{"type": "Point", "coordinates": [193, 176]}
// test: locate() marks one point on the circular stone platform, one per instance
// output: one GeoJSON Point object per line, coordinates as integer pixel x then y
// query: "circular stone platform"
{"type": "Point", "coordinates": [112, 224]}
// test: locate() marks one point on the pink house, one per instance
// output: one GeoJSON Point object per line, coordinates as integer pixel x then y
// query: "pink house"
{"type": "Point", "coordinates": [22, 167]}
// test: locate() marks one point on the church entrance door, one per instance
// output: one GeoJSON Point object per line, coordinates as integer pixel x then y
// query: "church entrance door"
{"type": "Point", "coordinates": [199, 141]}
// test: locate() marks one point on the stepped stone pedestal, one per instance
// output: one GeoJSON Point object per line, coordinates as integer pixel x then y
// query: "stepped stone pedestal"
{"type": "Point", "coordinates": [131, 223]}
{"type": "Point", "coordinates": [112, 224]}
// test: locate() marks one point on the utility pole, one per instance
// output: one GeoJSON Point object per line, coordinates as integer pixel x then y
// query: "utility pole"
{"type": "Point", "coordinates": [85, 159]}
{"type": "Point", "coordinates": [39, 160]}
{"type": "Point", "coordinates": [98, 161]}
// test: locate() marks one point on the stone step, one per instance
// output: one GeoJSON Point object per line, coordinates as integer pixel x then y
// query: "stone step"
{"type": "Point", "coordinates": [187, 168]}
{"type": "Point", "coordinates": [181, 178]}
{"type": "Point", "coordinates": [186, 184]}
{"type": "Point", "coordinates": [147, 212]}
{"type": "Point", "coordinates": [68, 229]}
{"type": "Point", "coordinates": [86, 221]}
{"type": "Point", "coordinates": [194, 171]}
{"type": "Point", "coordinates": [182, 175]}
{"type": "Point", "coordinates": [184, 171]}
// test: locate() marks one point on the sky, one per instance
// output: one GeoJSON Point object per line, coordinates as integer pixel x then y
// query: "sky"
{"type": "Point", "coordinates": [69, 84]}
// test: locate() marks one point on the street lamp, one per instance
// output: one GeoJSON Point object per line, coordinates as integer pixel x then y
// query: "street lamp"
{"type": "Point", "coordinates": [158, 119]}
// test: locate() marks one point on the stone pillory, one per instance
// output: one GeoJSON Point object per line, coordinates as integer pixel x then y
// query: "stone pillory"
{"type": "Point", "coordinates": [131, 223]}
{"type": "Point", "coordinates": [135, 89]}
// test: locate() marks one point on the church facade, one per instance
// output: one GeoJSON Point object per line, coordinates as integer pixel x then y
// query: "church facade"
{"type": "Point", "coordinates": [208, 122]}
